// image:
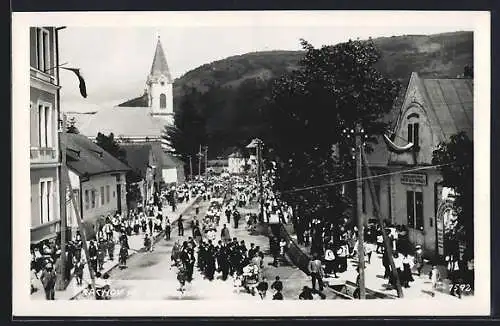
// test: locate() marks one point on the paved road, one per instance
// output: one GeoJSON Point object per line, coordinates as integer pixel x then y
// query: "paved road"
{"type": "Point", "coordinates": [149, 275]}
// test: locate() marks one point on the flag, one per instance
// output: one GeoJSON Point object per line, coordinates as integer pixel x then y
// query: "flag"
{"type": "Point", "coordinates": [395, 148]}
{"type": "Point", "coordinates": [83, 88]}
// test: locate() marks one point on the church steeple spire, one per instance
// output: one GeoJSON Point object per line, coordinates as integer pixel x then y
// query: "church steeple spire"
{"type": "Point", "coordinates": [160, 86]}
{"type": "Point", "coordinates": [160, 66]}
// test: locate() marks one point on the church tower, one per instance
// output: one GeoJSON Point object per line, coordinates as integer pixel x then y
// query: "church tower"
{"type": "Point", "coordinates": [159, 87]}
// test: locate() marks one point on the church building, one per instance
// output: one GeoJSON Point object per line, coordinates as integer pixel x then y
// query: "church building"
{"type": "Point", "coordinates": [142, 120]}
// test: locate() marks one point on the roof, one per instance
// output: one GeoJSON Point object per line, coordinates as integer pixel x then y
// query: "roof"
{"type": "Point", "coordinates": [452, 103]}
{"type": "Point", "coordinates": [81, 118]}
{"type": "Point", "coordinates": [160, 66]}
{"type": "Point", "coordinates": [125, 122]}
{"type": "Point", "coordinates": [138, 156]}
{"type": "Point", "coordinates": [169, 161]}
{"type": "Point", "coordinates": [166, 160]}
{"type": "Point", "coordinates": [141, 101]}
{"type": "Point", "coordinates": [85, 157]}
{"type": "Point", "coordinates": [236, 154]}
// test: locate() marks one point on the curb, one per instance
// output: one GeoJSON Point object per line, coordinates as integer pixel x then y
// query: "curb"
{"type": "Point", "coordinates": [156, 240]}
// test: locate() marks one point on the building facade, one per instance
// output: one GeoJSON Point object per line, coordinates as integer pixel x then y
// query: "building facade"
{"type": "Point", "coordinates": [97, 180]}
{"type": "Point", "coordinates": [236, 163]}
{"type": "Point", "coordinates": [45, 160]}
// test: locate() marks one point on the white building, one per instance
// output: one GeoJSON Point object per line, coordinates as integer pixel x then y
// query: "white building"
{"type": "Point", "coordinates": [97, 180]}
{"type": "Point", "coordinates": [236, 163]}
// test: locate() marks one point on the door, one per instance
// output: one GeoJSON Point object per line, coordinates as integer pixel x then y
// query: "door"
{"type": "Point", "coordinates": [119, 197]}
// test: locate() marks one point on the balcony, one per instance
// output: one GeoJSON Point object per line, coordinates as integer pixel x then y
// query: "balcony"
{"type": "Point", "coordinates": [45, 231]}
{"type": "Point", "coordinates": [43, 155]}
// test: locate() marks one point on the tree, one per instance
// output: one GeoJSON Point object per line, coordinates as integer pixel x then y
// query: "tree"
{"type": "Point", "coordinates": [456, 158]}
{"type": "Point", "coordinates": [72, 129]}
{"type": "Point", "coordinates": [189, 129]}
{"type": "Point", "coordinates": [336, 88]}
{"type": "Point", "coordinates": [110, 145]}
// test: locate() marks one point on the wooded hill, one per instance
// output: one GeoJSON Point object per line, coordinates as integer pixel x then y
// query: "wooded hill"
{"type": "Point", "coordinates": [231, 94]}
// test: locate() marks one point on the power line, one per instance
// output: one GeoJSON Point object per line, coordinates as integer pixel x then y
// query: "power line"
{"type": "Point", "coordinates": [365, 178]}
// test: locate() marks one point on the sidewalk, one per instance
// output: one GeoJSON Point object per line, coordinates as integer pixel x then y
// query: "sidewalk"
{"type": "Point", "coordinates": [420, 288]}
{"type": "Point", "coordinates": [292, 277]}
{"type": "Point", "coordinates": [136, 244]}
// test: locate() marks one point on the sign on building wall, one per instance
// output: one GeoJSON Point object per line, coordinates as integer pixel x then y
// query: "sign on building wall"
{"type": "Point", "coordinates": [414, 179]}
{"type": "Point", "coordinates": [440, 233]}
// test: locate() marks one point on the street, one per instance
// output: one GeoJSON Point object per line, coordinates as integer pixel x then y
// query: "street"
{"type": "Point", "coordinates": [150, 276]}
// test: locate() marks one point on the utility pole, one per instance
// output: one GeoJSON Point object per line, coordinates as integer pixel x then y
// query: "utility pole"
{"type": "Point", "coordinates": [259, 177]}
{"type": "Point", "coordinates": [206, 161]}
{"type": "Point", "coordinates": [63, 202]}
{"type": "Point", "coordinates": [388, 244]}
{"type": "Point", "coordinates": [359, 203]}
{"type": "Point", "coordinates": [62, 187]}
{"type": "Point", "coordinates": [199, 162]}
{"type": "Point", "coordinates": [190, 168]}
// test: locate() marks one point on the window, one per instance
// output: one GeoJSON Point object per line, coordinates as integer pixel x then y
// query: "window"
{"type": "Point", "coordinates": [46, 200]}
{"type": "Point", "coordinates": [376, 185]}
{"type": "Point", "coordinates": [87, 200]}
{"type": "Point", "coordinates": [413, 133]}
{"type": "Point", "coordinates": [92, 195]}
{"type": "Point", "coordinates": [107, 193]}
{"type": "Point", "coordinates": [45, 126]}
{"type": "Point", "coordinates": [415, 209]}
{"type": "Point", "coordinates": [42, 49]}
{"type": "Point", "coordinates": [102, 196]}
{"type": "Point", "coordinates": [163, 101]}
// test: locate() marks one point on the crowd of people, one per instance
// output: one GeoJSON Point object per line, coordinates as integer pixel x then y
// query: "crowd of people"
{"type": "Point", "coordinates": [213, 251]}
{"type": "Point", "coordinates": [108, 232]}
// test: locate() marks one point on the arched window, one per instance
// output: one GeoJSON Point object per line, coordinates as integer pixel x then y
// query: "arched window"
{"type": "Point", "coordinates": [163, 101]}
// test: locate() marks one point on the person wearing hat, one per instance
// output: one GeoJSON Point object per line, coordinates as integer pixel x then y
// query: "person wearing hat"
{"type": "Point", "coordinates": [419, 259]}
{"type": "Point", "coordinates": [48, 279]}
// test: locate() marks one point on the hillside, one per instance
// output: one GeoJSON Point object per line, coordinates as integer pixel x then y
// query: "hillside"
{"type": "Point", "coordinates": [232, 92]}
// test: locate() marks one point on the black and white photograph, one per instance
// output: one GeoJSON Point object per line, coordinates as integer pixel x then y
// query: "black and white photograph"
{"type": "Point", "coordinates": [200, 163]}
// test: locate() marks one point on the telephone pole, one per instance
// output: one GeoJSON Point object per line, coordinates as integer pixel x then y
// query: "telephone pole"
{"type": "Point", "coordinates": [63, 202]}
{"type": "Point", "coordinates": [190, 168]}
{"type": "Point", "coordinates": [199, 162]}
{"type": "Point", "coordinates": [259, 177]}
{"type": "Point", "coordinates": [206, 161]}
{"type": "Point", "coordinates": [359, 203]}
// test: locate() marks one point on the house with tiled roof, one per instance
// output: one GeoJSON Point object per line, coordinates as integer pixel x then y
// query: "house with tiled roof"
{"type": "Point", "coordinates": [97, 180]}
{"type": "Point", "coordinates": [142, 120]}
{"type": "Point", "coordinates": [153, 167]}
{"type": "Point", "coordinates": [431, 111]}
